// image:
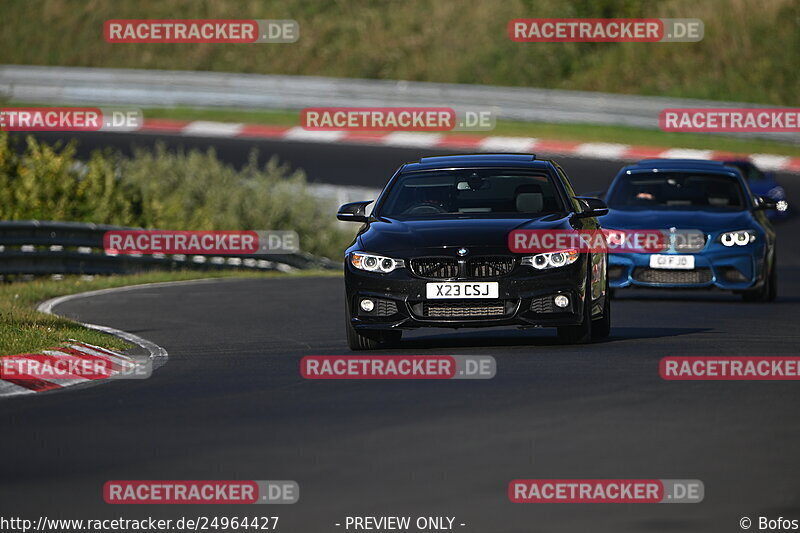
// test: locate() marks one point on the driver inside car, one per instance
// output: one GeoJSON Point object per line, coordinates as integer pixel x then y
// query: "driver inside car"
{"type": "Point", "coordinates": [431, 200]}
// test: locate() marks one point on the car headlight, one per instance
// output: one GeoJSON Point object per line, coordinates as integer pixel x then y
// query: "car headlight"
{"type": "Point", "coordinates": [551, 259]}
{"type": "Point", "coordinates": [738, 238]}
{"type": "Point", "coordinates": [375, 263]}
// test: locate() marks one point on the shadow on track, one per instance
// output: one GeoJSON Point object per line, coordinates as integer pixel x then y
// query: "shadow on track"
{"type": "Point", "coordinates": [527, 338]}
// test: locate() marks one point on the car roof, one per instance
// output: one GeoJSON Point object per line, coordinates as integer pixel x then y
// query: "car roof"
{"type": "Point", "coordinates": [662, 163]}
{"type": "Point", "coordinates": [739, 162]}
{"type": "Point", "coordinates": [681, 164]}
{"type": "Point", "coordinates": [479, 160]}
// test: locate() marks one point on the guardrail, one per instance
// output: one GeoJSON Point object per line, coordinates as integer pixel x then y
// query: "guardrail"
{"type": "Point", "coordinates": [47, 247]}
{"type": "Point", "coordinates": [152, 88]}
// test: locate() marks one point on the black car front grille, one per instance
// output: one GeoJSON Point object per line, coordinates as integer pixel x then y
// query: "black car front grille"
{"type": "Point", "coordinates": [464, 309]}
{"type": "Point", "coordinates": [683, 277]}
{"type": "Point", "coordinates": [382, 307]}
{"type": "Point", "coordinates": [490, 267]}
{"type": "Point", "coordinates": [435, 267]}
{"type": "Point", "coordinates": [475, 267]}
{"type": "Point", "coordinates": [385, 307]}
{"type": "Point", "coordinates": [544, 305]}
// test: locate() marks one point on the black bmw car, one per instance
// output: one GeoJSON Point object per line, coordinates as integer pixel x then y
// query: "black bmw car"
{"type": "Point", "coordinates": [434, 252]}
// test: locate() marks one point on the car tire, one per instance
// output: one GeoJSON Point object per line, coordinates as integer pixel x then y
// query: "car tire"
{"type": "Point", "coordinates": [372, 341]}
{"type": "Point", "coordinates": [601, 327]}
{"type": "Point", "coordinates": [768, 291]}
{"type": "Point", "coordinates": [581, 333]}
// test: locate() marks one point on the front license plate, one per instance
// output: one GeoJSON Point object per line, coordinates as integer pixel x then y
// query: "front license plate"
{"type": "Point", "coordinates": [462, 289]}
{"type": "Point", "coordinates": [673, 262]}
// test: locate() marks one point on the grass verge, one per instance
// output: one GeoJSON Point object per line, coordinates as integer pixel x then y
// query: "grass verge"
{"type": "Point", "coordinates": [25, 330]}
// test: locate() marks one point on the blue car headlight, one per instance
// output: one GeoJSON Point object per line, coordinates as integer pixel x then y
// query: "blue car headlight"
{"type": "Point", "coordinates": [375, 263]}
{"type": "Point", "coordinates": [741, 237]}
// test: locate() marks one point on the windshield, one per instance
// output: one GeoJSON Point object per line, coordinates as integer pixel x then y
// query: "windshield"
{"type": "Point", "coordinates": [470, 193]}
{"type": "Point", "coordinates": [676, 190]}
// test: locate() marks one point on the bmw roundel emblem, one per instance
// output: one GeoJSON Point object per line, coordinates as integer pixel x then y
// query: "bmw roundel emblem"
{"type": "Point", "coordinates": [462, 252]}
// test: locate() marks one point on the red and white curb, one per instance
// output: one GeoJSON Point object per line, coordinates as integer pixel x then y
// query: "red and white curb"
{"type": "Point", "coordinates": [156, 355]}
{"type": "Point", "coordinates": [74, 352]}
{"type": "Point", "coordinates": [608, 151]}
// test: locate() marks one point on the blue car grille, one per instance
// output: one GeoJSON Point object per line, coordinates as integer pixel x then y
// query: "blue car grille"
{"type": "Point", "coordinates": [679, 277]}
{"type": "Point", "coordinates": [688, 240]}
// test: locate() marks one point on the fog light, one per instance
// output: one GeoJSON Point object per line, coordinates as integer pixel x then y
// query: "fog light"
{"type": "Point", "coordinates": [367, 305]}
{"type": "Point", "coordinates": [561, 301]}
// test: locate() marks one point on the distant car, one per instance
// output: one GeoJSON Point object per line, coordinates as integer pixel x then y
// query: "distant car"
{"type": "Point", "coordinates": [434, 252]}
{"type": "Point", "coordinates": [763, 184]}
{"type": "Point", "coordinates": [716, 232]}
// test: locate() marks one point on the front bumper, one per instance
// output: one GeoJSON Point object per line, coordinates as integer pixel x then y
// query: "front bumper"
{"type": "Point", "coordinates": [525, 299]}
{"type": "Point", "coordinates": [723, 269]}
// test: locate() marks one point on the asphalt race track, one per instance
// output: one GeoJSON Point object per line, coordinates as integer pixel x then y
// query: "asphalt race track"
{"type": "Point", "coordinates": [230, 403]}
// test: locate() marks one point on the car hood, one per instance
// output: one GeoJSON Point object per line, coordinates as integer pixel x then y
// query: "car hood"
{"type": "Point", "coordinates": [487, 234]}
{"type": "Point", "coordinates": [704, 220]}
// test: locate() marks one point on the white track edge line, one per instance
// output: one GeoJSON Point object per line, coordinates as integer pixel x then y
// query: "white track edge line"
{"type": "Point", "coordinates": [155, 351]}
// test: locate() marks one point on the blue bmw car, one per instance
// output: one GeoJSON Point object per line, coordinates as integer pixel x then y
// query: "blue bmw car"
{"type": "Point", "coordinates": [716, 233]}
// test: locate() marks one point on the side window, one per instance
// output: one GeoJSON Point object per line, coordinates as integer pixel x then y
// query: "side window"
{"type": "Point", "coordinates": [576, 205]}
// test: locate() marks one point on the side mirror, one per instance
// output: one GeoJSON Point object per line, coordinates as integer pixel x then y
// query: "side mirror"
{"type": "Point", "coordinates": [593, 207]}
{"type": "Point", "coordinates": [765, 202]}
{"type": "Point", "coordinates": [354, 211]}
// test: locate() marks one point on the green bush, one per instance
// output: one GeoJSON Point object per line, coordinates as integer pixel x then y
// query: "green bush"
{"type": "Point", "coordinates": [159, 189]}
